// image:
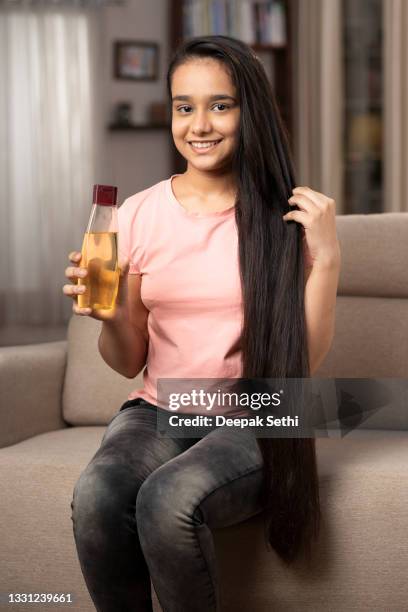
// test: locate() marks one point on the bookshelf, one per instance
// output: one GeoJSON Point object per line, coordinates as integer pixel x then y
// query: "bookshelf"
{"type": "Point", "coordinates": [363, 106]}
{"type": "Point", "coordinates": [276, 56]}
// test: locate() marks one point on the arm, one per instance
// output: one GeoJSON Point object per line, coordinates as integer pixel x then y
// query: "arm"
{"type": "Point", "coordinates": [123, 341]}
{"type": "Point", "coordinates": [317, 215]}
{"type": "Point", "coordinates": [320, 304]}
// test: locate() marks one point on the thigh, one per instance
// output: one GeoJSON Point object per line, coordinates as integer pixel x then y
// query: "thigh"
{"type": "Point", "coordinates": [234, 477]}
{"type": "Point", "coordinates": [132, 437]}
{"type": "Point", "coordinates": [130, 451]}
{"type": "Point", "coordinates": [217, 480]}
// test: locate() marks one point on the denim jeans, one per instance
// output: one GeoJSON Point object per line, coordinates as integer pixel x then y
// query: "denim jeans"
{"type": "Point", "coordinates": [144, 507]}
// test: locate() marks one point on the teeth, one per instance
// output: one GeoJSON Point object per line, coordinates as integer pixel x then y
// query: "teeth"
{"type": "Point", "coordinates": [204, 145]}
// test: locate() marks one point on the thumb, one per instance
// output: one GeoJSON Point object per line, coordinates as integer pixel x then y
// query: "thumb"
{"type": "Point", "coordinates": [121, 297]}
{"type": "Point", "coordinates": [124, 267]}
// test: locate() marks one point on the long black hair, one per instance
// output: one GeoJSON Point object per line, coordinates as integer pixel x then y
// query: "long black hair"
{"type": "Point", "coordinates": [271, 260]}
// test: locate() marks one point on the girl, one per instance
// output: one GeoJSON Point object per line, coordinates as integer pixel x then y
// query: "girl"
{"type": "Point", "coordinates": [213, 284]}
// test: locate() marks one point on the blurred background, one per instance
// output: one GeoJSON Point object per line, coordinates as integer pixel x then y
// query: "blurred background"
{"type": "Point", "coordinates": [83, 101]}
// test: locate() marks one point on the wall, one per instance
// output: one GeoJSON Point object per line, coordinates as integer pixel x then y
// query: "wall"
{"type": "Point", "coordinates": [135, 160]}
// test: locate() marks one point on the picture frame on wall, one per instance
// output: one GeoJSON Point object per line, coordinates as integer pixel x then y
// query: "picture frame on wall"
{"type": "Point", "coordinates": [136, 60]}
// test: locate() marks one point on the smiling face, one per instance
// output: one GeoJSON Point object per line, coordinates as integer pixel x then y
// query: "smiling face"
{"type": "Point", "coordinates": [205, 114]}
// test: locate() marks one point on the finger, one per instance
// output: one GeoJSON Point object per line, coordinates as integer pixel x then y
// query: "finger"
{"type": "Point", "coordinates": [81, 311]}
{"type": "Point", "coordinates": [73, 290]}
{"type": "Point", "coordinates": [75, 256]}
{"type": "Point", "coordinates": [303, 202]}
{"type": "Point", "coordinates": [297, 215]}
{"type": "Point", "coordinates": [317, 198]}
{"type": "Point", "coordinates": [74, 273]}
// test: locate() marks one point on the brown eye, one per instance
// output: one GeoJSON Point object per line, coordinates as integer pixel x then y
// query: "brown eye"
{"type": "Point", "coordinates": [224, 105]}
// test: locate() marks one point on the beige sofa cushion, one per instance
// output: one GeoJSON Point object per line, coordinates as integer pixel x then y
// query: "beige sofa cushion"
{"type": "Point", "coordinates": [371, 341]}
{"type": "Point", "coordinates": [93, 392]}
{"type": "Point", "coordinates": [374, 251]}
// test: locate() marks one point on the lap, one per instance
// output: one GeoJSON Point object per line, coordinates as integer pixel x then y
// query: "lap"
{"type": "Point", "coordinates": [218, 479]}
{"type": "Point", "coordinates": [130, 450]}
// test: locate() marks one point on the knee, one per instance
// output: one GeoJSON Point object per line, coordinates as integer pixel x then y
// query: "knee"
{"type": "Point", "coordinates": [153, 510]}
{"type": "Point", "coordinates": [95, 500]}
{"type": "Point", "coordinates": [147, 501]}
{"type": "Point", "coordinates": [164, 505]}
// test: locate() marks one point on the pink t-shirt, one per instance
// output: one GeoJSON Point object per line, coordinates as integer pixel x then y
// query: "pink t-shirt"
{"type": "Point", "coordinates": [190, 285]}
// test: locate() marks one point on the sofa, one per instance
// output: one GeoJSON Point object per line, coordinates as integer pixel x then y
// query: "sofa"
{"type": "Point", "coordinates": [58, 397]}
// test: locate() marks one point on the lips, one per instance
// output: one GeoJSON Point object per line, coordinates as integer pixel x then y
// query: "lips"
{"type": "Point", "coordinates": [203, 149]}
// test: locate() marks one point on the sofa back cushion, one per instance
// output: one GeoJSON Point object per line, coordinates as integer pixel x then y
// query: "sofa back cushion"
{"type": "Point", "coordinates": [93, 392]}
{"type": "Point", "coordinates": [371, 334]}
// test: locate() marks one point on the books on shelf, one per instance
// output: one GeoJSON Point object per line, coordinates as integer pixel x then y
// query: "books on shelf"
{"type": "Point", "coordinates": [253, 21]}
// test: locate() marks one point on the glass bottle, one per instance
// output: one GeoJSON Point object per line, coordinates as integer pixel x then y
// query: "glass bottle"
{"type": "Point", "coordinates": [100, 252]}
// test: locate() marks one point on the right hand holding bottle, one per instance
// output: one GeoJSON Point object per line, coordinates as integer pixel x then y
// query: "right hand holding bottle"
{"type": "Point", "coordinates": [74, 272]}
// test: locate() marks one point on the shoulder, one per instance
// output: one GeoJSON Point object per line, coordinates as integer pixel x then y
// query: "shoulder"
{"type": "Point", "coordinates": [138, 202]}
{"type": "Point", "coordinates": [136, 222]}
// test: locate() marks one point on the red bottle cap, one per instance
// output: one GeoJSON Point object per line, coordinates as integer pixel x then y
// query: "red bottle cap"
{"type": "Point", "coordinates": [105, 195]}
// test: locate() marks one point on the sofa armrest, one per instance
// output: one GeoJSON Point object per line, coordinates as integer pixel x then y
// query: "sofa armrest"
{"type": "Point", "coordinates": [31, 383]}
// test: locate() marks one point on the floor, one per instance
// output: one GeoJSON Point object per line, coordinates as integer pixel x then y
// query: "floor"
{"type": "Point", "coordinates": [30, 334]}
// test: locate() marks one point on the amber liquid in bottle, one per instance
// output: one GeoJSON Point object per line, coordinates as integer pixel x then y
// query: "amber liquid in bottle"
{"type": "Point", "coordinates": [100, 257]}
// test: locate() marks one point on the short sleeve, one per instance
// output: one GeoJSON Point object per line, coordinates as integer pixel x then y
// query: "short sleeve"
{"type": "Point", "coordinates": [308, 261]}
{"type": "Point", "coordinates": [126, 239]}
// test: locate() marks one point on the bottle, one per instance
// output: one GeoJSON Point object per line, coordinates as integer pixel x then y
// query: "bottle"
{"type": "Point", "coordinates": [100, 252]}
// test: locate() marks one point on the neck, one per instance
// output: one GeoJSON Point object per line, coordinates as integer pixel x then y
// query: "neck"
{"type": "Point", "coordinates": [209, 185]}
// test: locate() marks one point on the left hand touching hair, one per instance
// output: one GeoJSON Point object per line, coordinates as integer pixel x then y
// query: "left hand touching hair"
{"type": "Point", "coordinates": [317, 214]}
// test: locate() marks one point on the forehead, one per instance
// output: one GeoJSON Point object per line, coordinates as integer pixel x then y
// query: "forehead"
{"type": "Point", "coordinates": [201, 76]}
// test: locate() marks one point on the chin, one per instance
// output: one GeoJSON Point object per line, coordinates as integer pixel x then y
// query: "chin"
{"type": "Point", "coordinates": [209, 165]}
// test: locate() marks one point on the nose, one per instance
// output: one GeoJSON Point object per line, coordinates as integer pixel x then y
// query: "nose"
{"type": "Point", "coordinates": [201, 123]}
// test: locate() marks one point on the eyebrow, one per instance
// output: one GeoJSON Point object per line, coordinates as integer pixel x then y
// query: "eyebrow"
{"type": "Point", "coordinates": [211, 98]}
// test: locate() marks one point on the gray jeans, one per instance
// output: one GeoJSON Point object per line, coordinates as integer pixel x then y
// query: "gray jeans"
{"type": "Point", "coordinates": [145, 505]}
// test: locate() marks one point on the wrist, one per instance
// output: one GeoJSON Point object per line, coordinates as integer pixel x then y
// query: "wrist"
{"type": "Point", "coordinates": [118, 318]}
{"type": "Point", "coordinates": [330, 261]}
{"type": "Point", "coordinates": [331, 264]}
